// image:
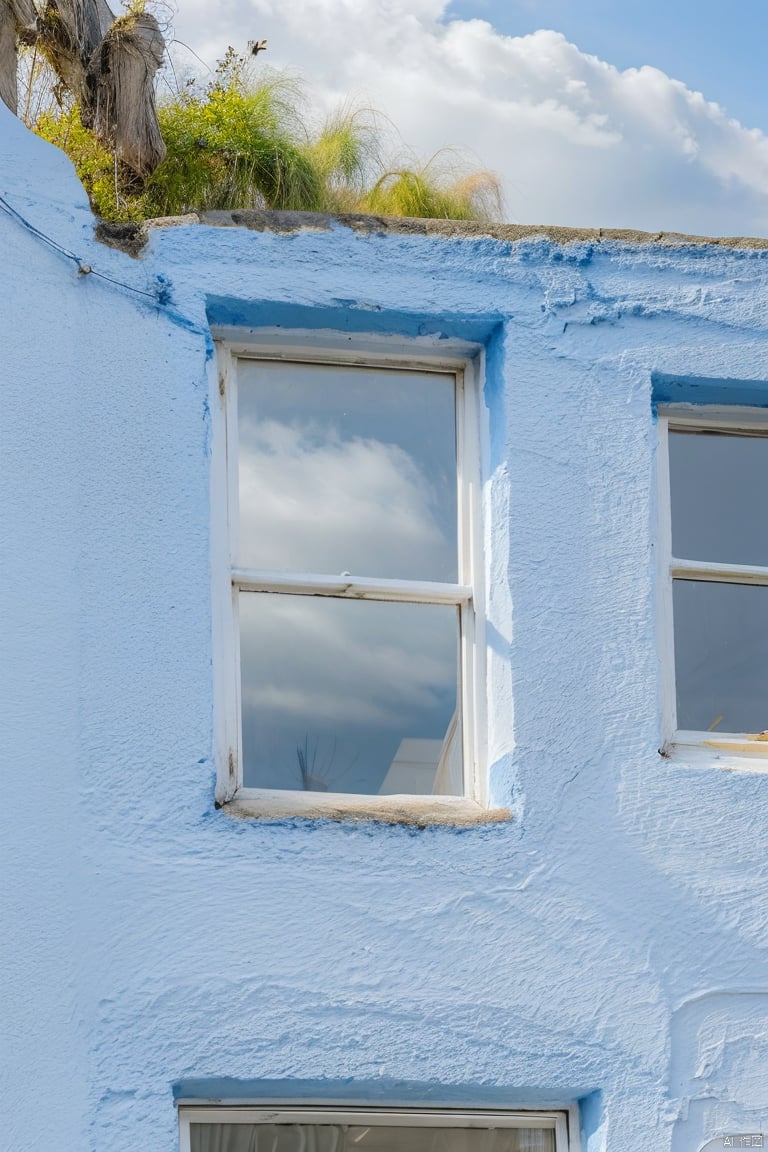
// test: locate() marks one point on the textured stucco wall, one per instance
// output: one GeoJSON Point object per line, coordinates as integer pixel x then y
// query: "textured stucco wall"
{"type": "Point", "coordinates": [607, 945]}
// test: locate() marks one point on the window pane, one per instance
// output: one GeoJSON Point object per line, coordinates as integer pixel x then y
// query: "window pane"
{"type": "Point", "coordinates": [719, 509]}
{"type": "Point", "coordinates": [378, 1138]}
{"type": "Point", "coordinates": [346, 469]}
{"type": "Point", "coordinates": [721, 656]}
{"type": "Point", "coordinates": [349, 695]}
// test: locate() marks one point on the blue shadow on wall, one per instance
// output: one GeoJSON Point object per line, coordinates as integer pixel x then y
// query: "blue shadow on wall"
{"type": "Point", "coordinates": [350, 316]}
{"type": "Point", "coordinates": [384, 1092]}
{"type": "Point", "coordinates": [592, 1118]}
{"type": "Point", "coordinates": [670, 389]}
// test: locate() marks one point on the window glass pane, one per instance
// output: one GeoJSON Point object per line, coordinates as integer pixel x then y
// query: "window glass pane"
{"type": "Point", "coordinates": [346, 469]}
{"type": "Point", "coordinates": [349, 695]}
{"type": "Point", "coordinates": [719, 510]}
{"type": "Point", "coordinates": [378, 1138]}
{"type": "Point", "coordinates": [721, 656]}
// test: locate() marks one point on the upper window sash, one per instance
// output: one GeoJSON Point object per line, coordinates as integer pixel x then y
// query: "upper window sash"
{"type": "Point", "coordinates": [386, 418]}
{"type": "Point", "coordinates": [321, 582]}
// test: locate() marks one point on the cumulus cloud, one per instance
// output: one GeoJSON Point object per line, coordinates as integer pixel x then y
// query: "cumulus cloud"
{"type": "Point", "coordinates": [313, 501]}
{"type": "Point", "coordinates": [575, 140]}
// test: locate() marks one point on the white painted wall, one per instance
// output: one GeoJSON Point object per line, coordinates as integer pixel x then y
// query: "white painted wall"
{"type": "Point", "coordinates": [607, 945]}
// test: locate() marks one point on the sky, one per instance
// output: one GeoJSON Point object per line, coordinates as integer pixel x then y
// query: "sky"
{"type": "Point", "coordinates": [593, 113]}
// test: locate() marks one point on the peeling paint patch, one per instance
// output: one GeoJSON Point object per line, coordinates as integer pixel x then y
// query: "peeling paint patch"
{"type": "Point", "coordinates": [719, 1057]}
{"type": "Point", "coordinates": [419, 812]}
{"type": "Point", "coordinates": [751, 748]}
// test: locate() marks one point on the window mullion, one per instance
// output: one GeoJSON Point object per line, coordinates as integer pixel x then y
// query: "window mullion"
{"type": "Point", "coordinates": [718, 573]}
{"type": "Point", "coordinates": [352, 588]}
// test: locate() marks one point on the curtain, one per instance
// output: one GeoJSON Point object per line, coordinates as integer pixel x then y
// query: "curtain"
{"type": "Point", "coordinates": [266, 1138]}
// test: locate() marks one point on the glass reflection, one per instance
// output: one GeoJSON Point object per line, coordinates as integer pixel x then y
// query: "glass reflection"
{"type": "Point", "coordinates": [349, 696]}
{"type": "Point", "coordinates": [347, 469]}
{"type": "Point", "coordinates": [719, 510]}
{"type": "Point", "coordinates": [371, 1138]}
{"type": "Point", "coordinates": [721, 656]}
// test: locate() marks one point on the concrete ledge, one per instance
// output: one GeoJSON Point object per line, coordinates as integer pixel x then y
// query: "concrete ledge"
{"type": "Point", "coordinates": [456, 811]}
{"type": "Point", "coordinates": [292, 222]}
{"type": "Point", "coordinates": [131, 238]}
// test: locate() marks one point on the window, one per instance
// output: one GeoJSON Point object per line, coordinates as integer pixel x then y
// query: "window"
{"type": "Point", "coordinates": [350, 636]}
{"type": "Point", "coordinates": [713, 466]}
{"type": "Point", "coordinates": [358, 1130]}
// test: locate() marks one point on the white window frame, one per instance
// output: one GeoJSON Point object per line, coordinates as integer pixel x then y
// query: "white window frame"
{"type": "Point", "coordinates": [735, 749]}
{"type": "Point", "coordinates": [466, 362]}
{"type": "Point", "coordinates": [564, 1122]}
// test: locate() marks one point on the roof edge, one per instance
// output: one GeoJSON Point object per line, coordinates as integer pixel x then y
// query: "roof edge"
{"type": "Point", "coordinates": [131, 238]}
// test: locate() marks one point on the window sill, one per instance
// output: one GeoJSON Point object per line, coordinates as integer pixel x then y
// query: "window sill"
{"type": "Point", "coordinates": [734, 752]}
{"type": "Point", "coordinates": [455, 811]}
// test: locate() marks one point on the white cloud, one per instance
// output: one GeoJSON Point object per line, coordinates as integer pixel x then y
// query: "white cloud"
{"type": "Point", "coordinates": [575, 140]}
{"type": "Point", "coordinates": [312, 501]}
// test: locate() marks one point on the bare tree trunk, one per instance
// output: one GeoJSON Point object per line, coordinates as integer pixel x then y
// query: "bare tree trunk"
{"type": "Point", "coordinates": [17, 19]}
{"type": "Point", "coordinates": [8, 57]}
{"type": "Point", "coordinates": [107, 64]}
{"type": "Point", "coordinates": [122, 74]}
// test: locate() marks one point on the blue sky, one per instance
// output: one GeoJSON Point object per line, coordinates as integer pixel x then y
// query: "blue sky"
{"type": "Point", "coordinates": [716, 47]}
{"type": "Point", "coordinates": [592, 113]}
